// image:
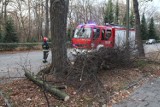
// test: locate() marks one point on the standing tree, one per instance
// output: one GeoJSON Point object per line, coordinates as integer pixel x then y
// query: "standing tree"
{"type": "Point", "coordinates": [58, 13]}
{"type": "Point", "coordinates": [5, 10]}
{"type": "Point", "coordinates": [29, 20]}
{"type": "Point", "coordinates": [117, 13]}
{"type": "Point", "coordinates": [144, 33]}
{"type": "Point", "coordinates": [108, 18]}
{"type": "Point", "coordinates": [124, 19]}
{"type": "Point", "coordinates": [137, 27]}
{"type": "Point", "coordinates": [1, 38]}
{"type": "Point", "coordinates": [10, 34]}
{"type": "Point", "coordinates": [47, 20]}
{"type": "Point", "coordinates": [151, 30]}
{"type": "Point", "coordinates": [132, 19]}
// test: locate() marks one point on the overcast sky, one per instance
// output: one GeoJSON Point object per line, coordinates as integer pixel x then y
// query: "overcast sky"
{"type": "Point", "coordinates": [156, 3]}
{"type": "Point", "coordinates": [152, 6]}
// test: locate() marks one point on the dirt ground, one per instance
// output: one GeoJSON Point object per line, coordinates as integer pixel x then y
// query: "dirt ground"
{"type": "Point", "coordinates": [118, 83]}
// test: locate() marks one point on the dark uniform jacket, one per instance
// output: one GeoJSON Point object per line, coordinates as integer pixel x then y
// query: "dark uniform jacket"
{"type": "Point", "coordinates": [45, 46]}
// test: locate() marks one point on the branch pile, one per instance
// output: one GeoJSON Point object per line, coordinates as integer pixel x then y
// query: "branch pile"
{"type": "Point", "coordinates": [83, 73]}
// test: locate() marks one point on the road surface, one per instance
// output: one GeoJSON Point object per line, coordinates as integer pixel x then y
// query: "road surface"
{"type": "Point", "coordinates": [151, 47]}
{"type": "Point", "coordinates": [11, 65]}
{"type": "Point", "coordinates": [146, 96]}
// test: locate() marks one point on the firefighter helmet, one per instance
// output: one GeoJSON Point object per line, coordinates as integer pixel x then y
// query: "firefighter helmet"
{"type": "Point", "coordinates": [45, 39]}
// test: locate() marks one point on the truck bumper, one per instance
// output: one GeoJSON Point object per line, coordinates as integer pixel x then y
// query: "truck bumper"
{"type": "Point", "coordinates": [77, 51]}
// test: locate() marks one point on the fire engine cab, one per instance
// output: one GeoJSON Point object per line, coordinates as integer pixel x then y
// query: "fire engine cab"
{"type": "Point", "coordinates": [92, 36]}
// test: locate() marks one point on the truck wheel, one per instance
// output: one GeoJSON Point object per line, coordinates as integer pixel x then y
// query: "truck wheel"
{"type": "Point", "coordinates": [99, 47]}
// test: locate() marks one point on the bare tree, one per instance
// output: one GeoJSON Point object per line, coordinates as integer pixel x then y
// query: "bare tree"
{"type": "Point", "coordinates": [38, 18]}
{"type": "Point", "coordinates": [58, 17]}
{"type": "Point", "coordinates": [5, 10]}
{"type": "Point", "coordinates": [1, 14]}
{"type": "Point", "coordinates": [29, 20]}
{"type": "Point", "coordinates": [22, 18]}
{"type": "Point", "coordinates": [32, 18]}
{"type": "Point", "coordinates": [47, 20]}
{"type": "Point", "coordinates": [137, 27]}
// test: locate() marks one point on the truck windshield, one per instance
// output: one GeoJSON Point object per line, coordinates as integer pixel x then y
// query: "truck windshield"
{"type": "Point", "coordinates": [82, 33]}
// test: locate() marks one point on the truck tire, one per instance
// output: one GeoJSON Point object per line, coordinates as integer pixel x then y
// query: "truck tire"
{"type": "Point", "coordinates": [99, 47]}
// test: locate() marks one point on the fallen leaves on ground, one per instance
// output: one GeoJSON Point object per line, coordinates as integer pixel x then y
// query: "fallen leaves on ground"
{"type": "Point", "coordinates": [23, 93]}
{"type": "Point", "coordinates": [2, 102]}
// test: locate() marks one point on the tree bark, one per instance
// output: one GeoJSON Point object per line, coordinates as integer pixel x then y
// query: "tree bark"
{"type": "Point", "coordinates": [5, 11]}
{"type": "Point", "coordinates": [41, 12]}
{"type": "Point", "coordinates": [29, 21]}
{"type": "Point", "coordinates": [52, 89]}
{"type": "Point", "coordinates": [137, 27]}
{"type": "Point", "coordinates": [47, 20]}
{"type": "Point", "coordinates": [58, 15]}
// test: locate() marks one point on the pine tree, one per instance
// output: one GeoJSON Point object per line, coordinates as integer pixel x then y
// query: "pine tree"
{"type": "Point", "coordinates": [10, 34]}
{"type": "Point", "coordinates": [108, 18]}
{"type": "Point", "coordinates": [144, 33]}
{"type": "Point", "coordinates": [117, 13]}
{"type": "Point", "coordinates": [0, 38]}
{"type": "Point", "coordinates": [151, 30]}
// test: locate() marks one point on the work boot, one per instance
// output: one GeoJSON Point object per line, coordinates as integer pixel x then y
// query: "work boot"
{"type": "Point", "coordinates": [44, 61]}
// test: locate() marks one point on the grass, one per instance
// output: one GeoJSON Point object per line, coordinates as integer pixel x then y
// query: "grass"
{"type": "Point", "coordinates": [141, 63]}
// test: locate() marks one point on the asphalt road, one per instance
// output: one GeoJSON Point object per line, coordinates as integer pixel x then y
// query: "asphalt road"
{"type": "Point", "coordinates": [146, 96]}
{"type": "Point", "coordinates": [12, 64]}
{"type": "Point", "coordinates": [151, 47]}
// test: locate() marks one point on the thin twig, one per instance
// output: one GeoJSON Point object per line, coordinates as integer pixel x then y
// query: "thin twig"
{"type": "Point", "coordinates": [44, 90]}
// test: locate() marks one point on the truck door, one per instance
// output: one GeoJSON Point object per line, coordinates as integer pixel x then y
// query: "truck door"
{"type": "Point", "coordinates": [96, 37]}
{"type": "Point", "coordinates": [106, 38]}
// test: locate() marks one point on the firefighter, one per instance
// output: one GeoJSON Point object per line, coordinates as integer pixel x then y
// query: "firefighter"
{"type": "Point", "coordinates": [45, 47]}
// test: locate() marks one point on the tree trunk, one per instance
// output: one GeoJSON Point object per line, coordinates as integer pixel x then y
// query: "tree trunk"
{"type": "Point", "coordinates": [5, 11]}
{"type": "Point", "coordinates": [1, 15]}
{"type": "Point", "coordinates": [137, 25]}
{"type": "Point", "coordinates": [47, 20]}
{"type": "Point", "coordinates": [41, 11]}
{"type": "Point", "coordinates": [29, 21]}
{"type": "Point", "coordinates": [52, 89]}
{"type": "Point", "coordinates": [58, 15]}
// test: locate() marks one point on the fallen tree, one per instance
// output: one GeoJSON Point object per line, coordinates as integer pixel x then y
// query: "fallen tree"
{"type": "Point", "coordinates": [49, 88]}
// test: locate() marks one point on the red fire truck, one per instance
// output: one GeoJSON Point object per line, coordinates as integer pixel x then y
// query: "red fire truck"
{"type": "Point", "coordinates": [92, 36]}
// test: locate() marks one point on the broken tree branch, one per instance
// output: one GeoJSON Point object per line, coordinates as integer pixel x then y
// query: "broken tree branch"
{"type": "Point", "coordinates": [51, 89]}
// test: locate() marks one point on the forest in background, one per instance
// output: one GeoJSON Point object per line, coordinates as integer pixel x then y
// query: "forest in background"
{"type": "Point", "coordinates": [29, 20]}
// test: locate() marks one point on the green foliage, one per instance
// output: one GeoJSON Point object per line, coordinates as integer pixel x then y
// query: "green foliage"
{"type": "Point", "coordinates": [144, 31]}
{"type": "Point", "coordinates": [10, 33]}
{"type": "Point", "coordinates": [140, 63]}
{"type": "Point", "coordinates": [8, 47]}
{"type": "Point", "coordinates": [151, 30]}
{"type": "Point", "coordinates": [108, 18]}
{"type": "Point", "coordinates": [1, 37]}
{"type": "Point", "coordinates": [29, 46]}
{"type": "Point", "coordinates": [20, 46]}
